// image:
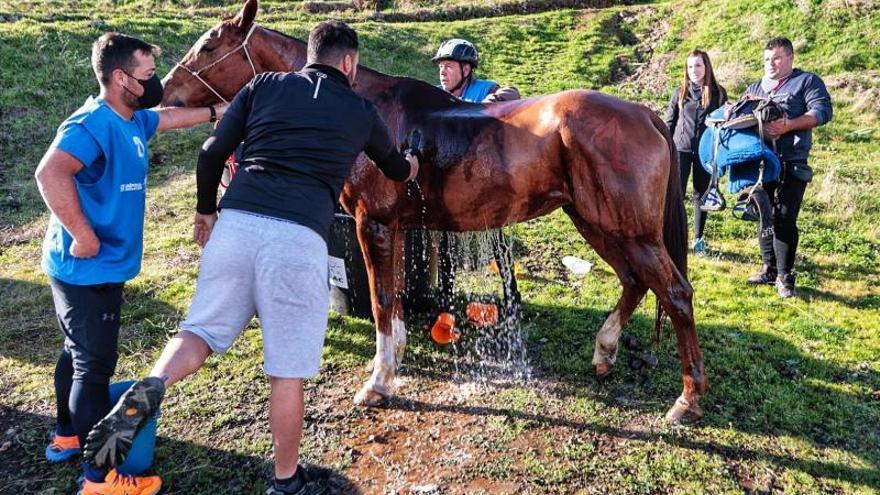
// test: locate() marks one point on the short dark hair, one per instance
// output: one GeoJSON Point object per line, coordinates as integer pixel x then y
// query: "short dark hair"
{"type": "Point", "coordinates": [116, 51]}
{"type": "Point", "coordinates": [780, 42]}
{"type": "Point", "coordinates": [329, 41]}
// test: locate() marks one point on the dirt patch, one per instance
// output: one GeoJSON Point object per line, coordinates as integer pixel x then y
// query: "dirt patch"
{"type": "Point", "coordinates": [860, 89]}
{"type": "Point", "coordinates": [648, 72]}
{"type": "Point", "coordinates": [858, 7]}
{"type": "Point", "coordinates": [13, 236]}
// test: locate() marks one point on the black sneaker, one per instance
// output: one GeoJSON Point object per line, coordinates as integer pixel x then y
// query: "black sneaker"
{"type": "Point", "coordinates": [785, 285]}
{"type": "Point", "coordinates": [110, 440]}
{"type": "Point", "coordinates": [309, 480]}
{"type": "Point", "coordinates": [306, 489]}
{"type": "Point", "coordinates": [767, 275]}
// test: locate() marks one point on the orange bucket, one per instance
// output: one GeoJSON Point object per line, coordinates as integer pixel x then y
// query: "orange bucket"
{"type": "Point", "coordinates": [482, 315]}
{"type": "Point", "coordinates": [443, 331]}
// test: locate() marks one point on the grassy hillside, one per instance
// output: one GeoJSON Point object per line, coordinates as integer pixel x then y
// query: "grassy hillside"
{"type": "Point", "coordinates": [794, 401]}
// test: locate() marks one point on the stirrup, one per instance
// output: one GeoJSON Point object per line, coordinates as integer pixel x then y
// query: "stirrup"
{"type": "Point", "coordinates": [746, 210]}
{"type": "Point", "coordinates": [713, 200]}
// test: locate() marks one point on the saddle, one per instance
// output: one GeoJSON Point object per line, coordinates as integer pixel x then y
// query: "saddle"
{"type": "Point", "coordinates": [748, 113]}
{"type": "Point", "coordinates": [734, 141]}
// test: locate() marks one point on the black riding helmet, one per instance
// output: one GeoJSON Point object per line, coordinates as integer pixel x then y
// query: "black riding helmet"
{"type": "Point", "coordinates": [463, 52]}
{"type": "Point", "coordinates": [460, 50]}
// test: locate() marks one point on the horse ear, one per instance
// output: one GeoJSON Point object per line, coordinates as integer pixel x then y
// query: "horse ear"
{"type": "Point", "coordinates": [246, 15]}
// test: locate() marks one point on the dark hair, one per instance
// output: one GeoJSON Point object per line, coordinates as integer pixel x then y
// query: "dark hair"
{"type": "Point", "coordinates": [116, 51]}
{"type": "Point", "coordinates": [329, 41]}
{"type": "Point", "coordinates": [710, 84]}
{"type": "Point", "coordinates": [780, 42]}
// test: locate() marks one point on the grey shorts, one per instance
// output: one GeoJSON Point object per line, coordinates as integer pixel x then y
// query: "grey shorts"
{"type": "Point", "coordinates": [272, 268]}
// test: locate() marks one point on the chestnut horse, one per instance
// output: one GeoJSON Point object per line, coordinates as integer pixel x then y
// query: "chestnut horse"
{"type": "Point", "coordinates": [609, 164]}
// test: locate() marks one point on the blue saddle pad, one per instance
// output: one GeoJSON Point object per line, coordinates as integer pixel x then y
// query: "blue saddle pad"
{"type": "Point", "coordinates": [740, 151]}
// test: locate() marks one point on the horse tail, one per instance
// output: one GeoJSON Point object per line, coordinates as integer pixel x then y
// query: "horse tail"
{"type": "Point", "coordinates": [674, 216]}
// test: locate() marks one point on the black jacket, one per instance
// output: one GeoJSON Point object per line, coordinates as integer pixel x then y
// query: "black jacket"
{"type": "Point", "coordinates": [301, 134]}
{"type": "Point", "coordinates": [688, 123]}
{"type": "Point", "coordinates": [801, 93]}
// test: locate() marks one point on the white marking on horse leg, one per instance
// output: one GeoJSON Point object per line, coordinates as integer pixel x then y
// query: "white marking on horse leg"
{"type": "Point", "coordinates": [398, 333]}
{"type": "Point", "coordinates": [384, 364]}
{"type": "Point", "coordinates": [606, 340]}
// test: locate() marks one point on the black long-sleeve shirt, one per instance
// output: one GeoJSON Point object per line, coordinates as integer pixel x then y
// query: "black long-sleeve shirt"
{"type": "Point", "coordinates": [688, 122]}
{"type": "Point", "coordinates": [301, 134]}
{"type": "Point", "coordinates": [801, 93]}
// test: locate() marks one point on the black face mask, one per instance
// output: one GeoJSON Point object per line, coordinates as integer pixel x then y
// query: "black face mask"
{"type": "Point", "coordinates": [153, 91]}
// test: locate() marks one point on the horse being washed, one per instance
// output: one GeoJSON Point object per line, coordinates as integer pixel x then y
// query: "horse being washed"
{"type": "Point", "coordinates": [609, 164]}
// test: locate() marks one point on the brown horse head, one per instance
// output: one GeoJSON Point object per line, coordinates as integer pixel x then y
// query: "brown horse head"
{"type": "Point", "coordinates": [223, 60]}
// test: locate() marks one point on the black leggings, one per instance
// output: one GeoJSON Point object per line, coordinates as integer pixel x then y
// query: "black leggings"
{"type": "Point", "coordinates": [779, 250]}
{"type": "Point", "coordinates": [89, 317]}
{"type": "Point", "coordinates": [691, 161]}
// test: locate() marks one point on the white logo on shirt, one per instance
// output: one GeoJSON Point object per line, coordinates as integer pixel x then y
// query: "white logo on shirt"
{"type": "Point", "coordinates": [131, 186]}
{"type": "Point", "coordinates": [139, 145]}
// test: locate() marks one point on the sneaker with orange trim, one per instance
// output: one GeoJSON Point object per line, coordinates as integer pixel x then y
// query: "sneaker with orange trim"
{"type": "Point", "coordinates": [122, 484]}
{"type": "Point", "coordinates": [62, 448]}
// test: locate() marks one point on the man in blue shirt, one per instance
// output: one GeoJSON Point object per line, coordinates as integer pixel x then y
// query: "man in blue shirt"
{"type": "Point", "coordinates": [93, 179]}
{"type": "Point", "coordinates": [807, 104]}
{"type": "Point", "coordinates": [456, 60]}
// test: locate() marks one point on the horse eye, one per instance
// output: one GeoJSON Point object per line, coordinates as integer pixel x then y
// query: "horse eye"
{"type": "Point", "coordinates": [208, 49]}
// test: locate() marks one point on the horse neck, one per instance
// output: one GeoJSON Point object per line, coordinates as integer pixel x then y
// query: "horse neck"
{"type": "Point", "coordinates": [372, 84]}
{"type": "Point", "coordinates": [276, 52]}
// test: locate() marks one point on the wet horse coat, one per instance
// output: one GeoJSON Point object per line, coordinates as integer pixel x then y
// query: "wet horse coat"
{"type": "Point", "coordinates": [609, 164]}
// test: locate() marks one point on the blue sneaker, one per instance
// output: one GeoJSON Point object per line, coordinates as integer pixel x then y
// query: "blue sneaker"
{"type": "Point", "coordinates": [699, 246]}
{"type": "Point", "coordinates": [62, 448]}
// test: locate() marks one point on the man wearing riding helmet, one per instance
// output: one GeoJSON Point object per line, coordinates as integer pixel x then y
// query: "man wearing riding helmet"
{"type": "Point", "coordinates": [457, 59]}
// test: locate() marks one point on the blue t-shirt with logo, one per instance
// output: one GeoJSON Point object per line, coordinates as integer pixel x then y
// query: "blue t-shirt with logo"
{"type": "Point", "coordinates": [112, 193]}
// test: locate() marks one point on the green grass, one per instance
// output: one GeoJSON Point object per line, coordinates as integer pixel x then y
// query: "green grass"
{"type": "Point", "coordinates": [793, 403]}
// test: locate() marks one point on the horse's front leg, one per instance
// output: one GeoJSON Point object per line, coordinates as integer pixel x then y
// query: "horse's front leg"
{"type": "Point", "coordinates": [383, 246]}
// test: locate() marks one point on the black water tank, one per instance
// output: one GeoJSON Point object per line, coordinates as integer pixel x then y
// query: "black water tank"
{"type": "Point", "coordinates": [350, 286]}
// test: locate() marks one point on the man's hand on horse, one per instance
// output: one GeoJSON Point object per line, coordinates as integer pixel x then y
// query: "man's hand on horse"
{"type": "Point", "coordinates": [202, 227]}
{"type": "Point", "coordinates": [776, 128]}
{"type": "Point", "coordinates": [413, 167]}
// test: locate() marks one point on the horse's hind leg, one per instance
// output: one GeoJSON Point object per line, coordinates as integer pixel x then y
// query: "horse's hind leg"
{"type": "Point", "coordinates": [653, 265]}
{"type": "Point", "coordinates": [633, 291]}
{"type": "Point", "coordinates": [503, 251]}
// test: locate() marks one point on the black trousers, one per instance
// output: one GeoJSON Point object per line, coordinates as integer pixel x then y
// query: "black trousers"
{"type": "Point", "coordinates": [786, 196]}
{"type": "Point", "coordinates": [89, 317]}
{"type": "Point", "coordinates": [691, 162]}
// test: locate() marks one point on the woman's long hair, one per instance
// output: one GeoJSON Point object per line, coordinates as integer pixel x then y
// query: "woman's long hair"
{"type": "Point", "coordinates": [710, 85]}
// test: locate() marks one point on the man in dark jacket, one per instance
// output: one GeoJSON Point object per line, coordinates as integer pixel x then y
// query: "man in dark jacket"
{"type": "Point", "coordinates": [807, 104]}
{"type": "Point", "coordinates": [268, 254]}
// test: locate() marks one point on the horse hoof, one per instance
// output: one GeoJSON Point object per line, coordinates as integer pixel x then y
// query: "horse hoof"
{"type": "Point", "coordinates": [603, 371]}
{"type": "Point", "coordinates": [684, 412]}
{"type": "Point", "coordinates": [369, 397]}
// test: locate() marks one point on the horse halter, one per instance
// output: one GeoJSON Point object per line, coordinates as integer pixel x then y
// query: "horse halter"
{"type": "Point", "coordinates": [243, 46]}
